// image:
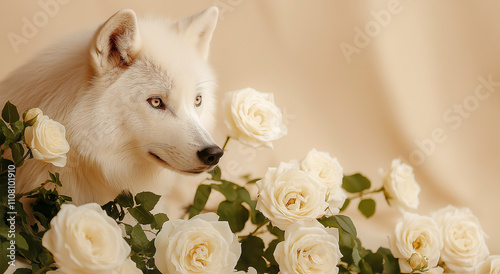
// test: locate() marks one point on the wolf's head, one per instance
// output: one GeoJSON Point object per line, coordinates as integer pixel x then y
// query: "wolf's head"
{"type": "Point", "coordinates": [152, 93]}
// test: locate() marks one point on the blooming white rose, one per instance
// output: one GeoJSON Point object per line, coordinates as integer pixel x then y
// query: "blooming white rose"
{"type": "Point", "coordinates": [435, 270]}
{"type": "Point", "coordinates": [309, 248]}
{"type": "Point", "coordinates": [129, 267]}
{"type": "Point", "coordinates": [253, 118]}
{"type": "Point", "coordinates": [489, 266]}
{"type": "Point", "coordinates": [287, 195]}
{"type": "Point", "coordinates": [400, 186]}
{"type": "Point", "coordinates": [416, 242]}
{"type": "Point", "coordinates": [32, 113]}
{"type": "Point", "coordinates": [202, 244]}
{"type": "Point", "coordinates": [329, 172]}
{"type": "Point", "coordinates": [463, 237]}
{"type": "Point", "coordinates": [47, 141]}
{"type": "Point", "coordinates": [84, 239]}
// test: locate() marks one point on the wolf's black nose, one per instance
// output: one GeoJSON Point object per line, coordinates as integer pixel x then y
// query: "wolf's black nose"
{"type": "Point", "coordinates": [210, 155]}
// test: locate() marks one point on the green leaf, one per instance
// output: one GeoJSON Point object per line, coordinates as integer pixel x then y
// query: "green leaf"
{"type": "Point", "coordinates": [9, 113]}
{"type": "Point", "coordinates": [138, 239]}
{"type": "Point", "coordinates": [2, 136]}
{"type": "Point", "coordinates": [391, 264]}
{"type": "Point", "coordinates": [280, 234]}
{"type": "Point", "coordinates": [346, 204]}
{"type": "Point", "coordinates": [226, 188]}
{"type": "Point", "coordinates": [355, 183]}
{"type": "Point", "coordinates": [253, 181]}
{"type": "Point", "coordinates": [269, 253]}
{"type": "Point", "coordinates": [17, 127]}
{"type": "Point", "coordinates": [21, 242]}
{"type": "Point", "coordinates": [17, 153]}
{"type": "Point", "coordinates": [128, 228]}
{"type": "Point", "coordinates": [340, 221]}
{"type": "Point", "coordinates": [125, 199]}
{"type": "Point", "coordinates": [9, 135]}
{"type": "Point", "coordinates": [252, 250]}
{"type": "Point", "coordinates": [216, 173]}
{"type": "Point", "coordinates": [355, 256]}
{"type": "Point", "coordinates": [23, 271]}
{"type": "Point", "coordinates": [142, 215]}
{"type": "Point", "coordinates": [234, 213]}
{"type": "Point", "coordinates": [160, 219]}
{"type": "Point", "coordinates": [111, 209]}
{"type": "Point", "coordinates": [367, 207]}
{"type": "Point", "coordinates": [200, 200]}
{"type": "Point", "coordinates": [375, 260]}
{"type": "Point", "coordinates": [147, 199]}
{"type": "Point", "coordinates": [365, 267]}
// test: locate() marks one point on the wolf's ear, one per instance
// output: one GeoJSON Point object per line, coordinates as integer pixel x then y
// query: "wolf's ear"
{"type": "Point", "coordinates": [198, 29]}
{"type": "Point", "coordinates": [116, 42]}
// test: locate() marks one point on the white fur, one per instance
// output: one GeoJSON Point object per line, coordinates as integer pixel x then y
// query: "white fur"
{"type": "Point", "coordinates": [99, 90]}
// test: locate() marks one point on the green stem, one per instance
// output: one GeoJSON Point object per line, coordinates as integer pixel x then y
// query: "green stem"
{"type": "Point", "coordinates": [259, 227]}
{"type": "Point", "coordinates": [225, 143]}
{"type": "Point", "coordinates": [363, 194]}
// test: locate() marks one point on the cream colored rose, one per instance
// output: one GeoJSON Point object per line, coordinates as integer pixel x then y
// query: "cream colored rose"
{"type": "Point", "coordinates": [47, 141]}
{"type": "Point", "coordinates": [329, 172]}
{"type": "Point", "coordinates": [287, 195]}
{"type": "Point", "coordinates": [400, 186]}
{"type": "Point", "coordinates": [32, 113]}
{"type": "Point", "coordinates": [416, 242]}
{"type": "Point", "coordinates": [84, 239]}
{"type": "Point", "coordinates": [489, 266]}
{"type": "Point", "coordinates": [128, 267]}
{"type": "Point", "coordinates": [434, 270]}
{"type": "Point", "coordinates": [202, 244]}
{"type": "Point", "coordinates": [463, 237]}
{"type": "Point", "coordinates": [309, 248]}
{"type": "Point", "coordinates": [253, 118]}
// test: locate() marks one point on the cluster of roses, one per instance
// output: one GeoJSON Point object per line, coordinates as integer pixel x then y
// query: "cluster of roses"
{"type": "Point", "coordinates": [292, 196]}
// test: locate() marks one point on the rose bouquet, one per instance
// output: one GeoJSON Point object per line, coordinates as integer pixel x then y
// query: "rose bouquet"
{"type": "Point", "coordinates": [292, 224]}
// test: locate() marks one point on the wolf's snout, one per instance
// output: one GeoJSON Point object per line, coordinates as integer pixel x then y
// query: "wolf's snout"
{"type": "Point", "coordinates": [210, 155]}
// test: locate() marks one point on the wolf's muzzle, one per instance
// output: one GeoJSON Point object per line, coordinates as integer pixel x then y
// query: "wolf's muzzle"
{"type": "Point", "coordinates": [210, 155]}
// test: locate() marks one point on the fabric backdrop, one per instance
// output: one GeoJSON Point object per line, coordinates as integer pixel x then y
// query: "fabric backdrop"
{"type": "Point", "coordinates": [366, 81]}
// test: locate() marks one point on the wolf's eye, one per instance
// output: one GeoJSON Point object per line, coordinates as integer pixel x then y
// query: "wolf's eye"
{"type": "Point", "coordinates": [198, 100]}
{"type": "Point", "coordinates": [156, 102]}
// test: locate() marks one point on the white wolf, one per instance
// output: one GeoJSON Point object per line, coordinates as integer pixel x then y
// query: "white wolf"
{"type": "Point", "coordinates": [136, 97]}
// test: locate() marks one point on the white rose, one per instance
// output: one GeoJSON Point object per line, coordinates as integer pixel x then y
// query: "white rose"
{"type": "Point", "coordinates": [129, 267]}
{"type": "Point", "coordinates": [435, 270]}
{"type": "Point", "coordinates": [253, 118]}
{"type": "Point", "coordinates": [32, 113]}
{"type": "Point", "coordinates": [287, 195]}
{"type": "Point", "coordinates": [85, 240]}
{"type": "Point", "coordinates": [309, 248]}
{"type": "Point", "coordinates": [202, 244]}
{"type": "Point", "coordinates": [47, 141]}
{"type": "Point", "coordinates": [416, 242]}
{"type": "Point", "coordinates": [489, 266]}
{"type": "Point", "coordinates": [463, 237]}
{"type": "Point", "coordinates": [400, 186]}
{"type": "Point", "coordinates": [329, 172]}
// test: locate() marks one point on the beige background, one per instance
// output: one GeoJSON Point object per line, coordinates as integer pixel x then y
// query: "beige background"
{"type": "Point", "coordinates": [420, 62]}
